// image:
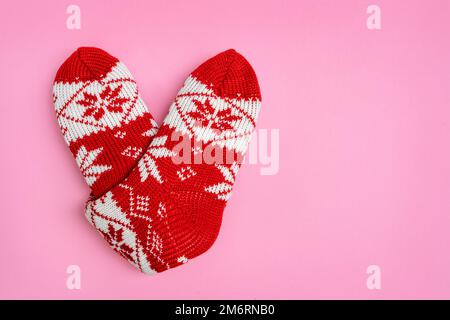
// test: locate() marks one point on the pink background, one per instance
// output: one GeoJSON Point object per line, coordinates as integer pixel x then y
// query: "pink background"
{"type": "Point", "coordinates": [364, 148]}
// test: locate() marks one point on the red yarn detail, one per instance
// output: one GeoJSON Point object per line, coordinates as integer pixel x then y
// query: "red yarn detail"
{"type": "Point", "coordinates": [86, 63]}
{"type": "Point", "coordinates": [103, 120]}
{"type": "Point", "coordinates": [122, 149]}
{"type": "Point", "coordinates": [173, 210]}
{"type": "Point", "coordinates": [153, 210]}
{"type": "Point", "coordinates": [229, 75]}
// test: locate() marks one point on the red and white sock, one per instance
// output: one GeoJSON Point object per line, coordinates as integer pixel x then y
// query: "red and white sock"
{"type": "Point", "coordinates": [104, 120]}
{"type": "Point", "coordinates": [166, 212]}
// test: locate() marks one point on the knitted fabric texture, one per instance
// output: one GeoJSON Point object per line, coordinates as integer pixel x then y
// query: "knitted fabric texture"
{"type": "Point", "coordinates": [169, 209]}
{"type": "Point", "coordinates": [103, 119]}
{"type": "Point", "coordinates": [157, 194]}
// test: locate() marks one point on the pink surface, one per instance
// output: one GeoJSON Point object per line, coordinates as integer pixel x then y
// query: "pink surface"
{"type": "Point", "coordinates": [364, 148]}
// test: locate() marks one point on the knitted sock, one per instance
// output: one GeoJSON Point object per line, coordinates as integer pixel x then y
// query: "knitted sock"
{"type": "Point", "coordinates": [104, 121]}
{"type": "Point", "coordinates": [169, 209]}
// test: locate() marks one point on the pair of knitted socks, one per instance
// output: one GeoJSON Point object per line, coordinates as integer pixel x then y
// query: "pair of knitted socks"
{"type": "Point", "coordinates": [157, 193]}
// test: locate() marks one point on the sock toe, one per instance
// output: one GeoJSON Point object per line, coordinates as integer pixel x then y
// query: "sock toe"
{"type": "Point", "coordinates": [86, 63]}
{"type": "Point", "coordinates": [230, 75]}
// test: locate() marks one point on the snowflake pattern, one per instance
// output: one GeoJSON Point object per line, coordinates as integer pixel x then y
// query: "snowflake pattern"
{"type": "Point", "coordinates": [109, 100]}
{"type": "Point", "coordinates": [85, 160]}
{"type": "Point", "coordinates": [206, 116]}
{"type": "Point", "coordinates": [115, 239]}
{"type": "Point", "coordinates": [223, 189]}
{"type": "Point", "coordinates": [147, 165]}
{"type": "Point", "coordinates": [135, 218]}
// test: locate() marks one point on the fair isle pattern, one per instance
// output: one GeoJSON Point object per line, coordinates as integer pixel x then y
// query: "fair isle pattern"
{"type": "Point", "coordinates": [85, 160]}
{"type": "Point", "coordinates": [117, 230]}
{"type": "Point", "coordinates": [223, 189]}
{"type": "Point", "coordinates": [102, 117]}
{"type": "Point", "coordinates": [198, 111]}
{"type": "Point", "coordinates": [92, 106]}
{"type": "Point", "coordinates": [164, 213]}
{"type": "Point", "coordinates": [147, 166]}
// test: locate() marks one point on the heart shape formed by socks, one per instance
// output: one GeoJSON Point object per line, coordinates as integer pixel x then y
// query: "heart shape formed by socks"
{"type": "Point", "coordinates": [157, 194]}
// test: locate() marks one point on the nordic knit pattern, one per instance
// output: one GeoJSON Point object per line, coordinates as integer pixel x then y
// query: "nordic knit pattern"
{"type": "Point", "coordinates": [103, 119]}
{"type": "Point", "coordinates": [168, 211]}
